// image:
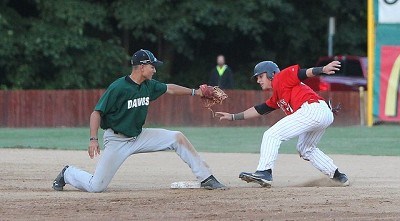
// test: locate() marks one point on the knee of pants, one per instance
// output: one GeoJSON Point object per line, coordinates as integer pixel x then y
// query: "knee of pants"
{"type": "Point", "coordinates": [300, 148]}
{"type": "Point", "coordinates": [179, 138]}
{"type": "Point", "coordinates": [182, 142]}
{"type": "Point", "coordinates": [97, 187]}
{"type": "Point", "coordinates": [179, 135]}
{"type": "Point", "coordinates": [306, 155]}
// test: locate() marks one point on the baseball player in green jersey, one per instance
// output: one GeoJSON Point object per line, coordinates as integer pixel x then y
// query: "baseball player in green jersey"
{"type": "Point", "coordinates": [121, 112]}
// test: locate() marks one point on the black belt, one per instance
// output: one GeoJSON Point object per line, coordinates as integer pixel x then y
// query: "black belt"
{"type": "Point", "coordinates": [118, 133]}
{"type": "Point", "coordinates": [121, 134]}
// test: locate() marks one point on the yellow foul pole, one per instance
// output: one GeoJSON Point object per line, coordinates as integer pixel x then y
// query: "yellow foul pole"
{"type": "Point", "coordinates": [371, 61]}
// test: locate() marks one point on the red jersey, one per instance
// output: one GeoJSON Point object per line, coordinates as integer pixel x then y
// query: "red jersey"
{"type": "Point", "coordinates": [289, 93]}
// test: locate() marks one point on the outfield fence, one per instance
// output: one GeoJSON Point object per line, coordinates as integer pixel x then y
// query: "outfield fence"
{"type": "Point", "coordinates": [72, 108]}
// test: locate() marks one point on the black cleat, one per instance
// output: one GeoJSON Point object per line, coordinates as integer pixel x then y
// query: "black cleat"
{"type": "Point", "coordinates": [211, 183]}
{"type": "Point", "coordinates": [59, 182]}
{"type": "Point", "coordinates": [341, 178]}
{"type": "Point", "coordinates": [264, 178]}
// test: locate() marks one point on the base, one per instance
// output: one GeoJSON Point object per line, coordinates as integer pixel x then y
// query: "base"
{"type": "Point", "coordinates": [185, 185]}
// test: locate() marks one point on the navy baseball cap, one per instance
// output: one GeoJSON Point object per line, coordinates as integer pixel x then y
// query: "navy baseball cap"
{"type": "Point", "coordinates": [145, 57]}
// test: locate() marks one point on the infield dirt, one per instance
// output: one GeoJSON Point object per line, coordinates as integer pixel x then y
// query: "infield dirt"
{"type": "Point", "coordinates": [140, 190]}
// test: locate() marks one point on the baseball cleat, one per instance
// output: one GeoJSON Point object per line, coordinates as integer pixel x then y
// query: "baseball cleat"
{"type": "Point", "coordinates": [59, 182]}
{"type": "Point", "coordinates": [211, 183]}
{"type": "Point", "coordinates": [341, 178]}
{"type": "Point", "coordinates": [264, 178]}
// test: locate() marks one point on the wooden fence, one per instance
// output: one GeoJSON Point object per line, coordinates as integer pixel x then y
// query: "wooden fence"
{"type": "Point", "coordinates": [72, 108]}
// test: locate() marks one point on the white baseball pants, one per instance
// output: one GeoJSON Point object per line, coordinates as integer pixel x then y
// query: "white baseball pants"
{"type": "Point", "coordinates": [118, 148]}
{"type": "Point", "coordinates": [309, 123]}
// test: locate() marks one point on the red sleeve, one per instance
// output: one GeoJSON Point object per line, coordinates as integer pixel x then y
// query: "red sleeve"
{"type": "Point", "coordinates": [289, 76]}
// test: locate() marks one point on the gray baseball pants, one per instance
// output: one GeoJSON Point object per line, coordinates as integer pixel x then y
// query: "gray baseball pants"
{"type": "Point", "coordinates": [117, 148]}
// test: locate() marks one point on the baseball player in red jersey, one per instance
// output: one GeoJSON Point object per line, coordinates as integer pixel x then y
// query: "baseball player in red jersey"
{"type": "Point", "coordinates": [308, 115]}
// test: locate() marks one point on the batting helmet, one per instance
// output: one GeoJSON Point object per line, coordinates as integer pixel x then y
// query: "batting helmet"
{"type": "Point", "coordinates": [268, 67]}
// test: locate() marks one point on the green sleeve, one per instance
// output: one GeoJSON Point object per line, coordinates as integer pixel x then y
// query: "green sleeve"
{"type": "Point", "coordinates": [157, 89]}
{"type": "Point", "coordinates": [106, 102]}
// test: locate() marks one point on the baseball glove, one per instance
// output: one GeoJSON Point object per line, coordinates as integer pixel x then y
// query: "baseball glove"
{"type": "Point", "coordinates": [212, 95]}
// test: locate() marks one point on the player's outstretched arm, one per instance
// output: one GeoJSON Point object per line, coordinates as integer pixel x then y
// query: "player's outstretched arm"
{"type": "Point", "coordinates": [247, 114]}
{"type": "Point", "coordinates": [330, 68]}
{"type": "Point", "coordinates": [94, 148]}
{"type": "Point", "coordinates": [180, 90]}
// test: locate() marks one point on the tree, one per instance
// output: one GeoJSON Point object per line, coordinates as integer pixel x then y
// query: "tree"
{"type": "Point", "coordinates": [61, 44]}
{"type": "Point", "coordinates": [184, 28]}
{"type": "Point", "coordinates": [87, 43]}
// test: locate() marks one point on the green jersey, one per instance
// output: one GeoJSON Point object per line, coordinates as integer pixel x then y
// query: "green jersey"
{"type": "Point", "coordinates": [124, 105]}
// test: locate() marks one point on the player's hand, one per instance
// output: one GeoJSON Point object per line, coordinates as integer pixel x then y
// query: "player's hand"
{"type": "Point", "coordinates": [94, 149]}
{"type": "Point", "coordinates": [223, 115]}
{"type": "Point", "coordinates": [332, 67]}
{"type": "Point", "coordinates": [198, 92]}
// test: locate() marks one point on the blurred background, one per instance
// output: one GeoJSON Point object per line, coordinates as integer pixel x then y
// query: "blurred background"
{"type": "Point", "coordinates": [75, 44]}
{"type": "Point", "coordinates": [47, 46]}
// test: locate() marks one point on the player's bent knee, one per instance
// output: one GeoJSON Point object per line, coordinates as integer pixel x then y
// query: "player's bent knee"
{"type": "Point", "coordinates": [182, 142]}
{"type": "Point", "coordinates": [304, 158]}
{"type": "Point", "coordinates": [306, 155]}
{"type": "Point", "coordinates": [180, 137]}
{"type": "Point", "coordinates": [177, 138]}
{"type": "Point", "coordinates": [97, 187]}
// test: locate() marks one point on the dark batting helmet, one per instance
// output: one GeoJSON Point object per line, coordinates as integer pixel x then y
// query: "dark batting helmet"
{"type": "Point", "coordinates": [268, 67]}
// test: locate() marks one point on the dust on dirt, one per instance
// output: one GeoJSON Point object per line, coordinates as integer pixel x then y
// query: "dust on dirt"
{"type": "Point", "coordinates": [140, 190]}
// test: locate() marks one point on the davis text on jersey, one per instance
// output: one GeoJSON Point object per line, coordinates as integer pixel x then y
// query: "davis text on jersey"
{"type": "Point", "coordinates": [143, 101]}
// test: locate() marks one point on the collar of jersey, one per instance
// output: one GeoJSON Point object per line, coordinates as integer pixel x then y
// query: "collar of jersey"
{"type": "Point", "coordinates": [129, 80]}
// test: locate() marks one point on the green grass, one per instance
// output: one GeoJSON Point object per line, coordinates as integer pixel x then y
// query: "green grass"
{"type": "Point", "coordinates": [379, 140]}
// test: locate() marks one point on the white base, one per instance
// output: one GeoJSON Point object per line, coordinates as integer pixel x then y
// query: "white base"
{"type": "Point", "coordinates": [185, 185]}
